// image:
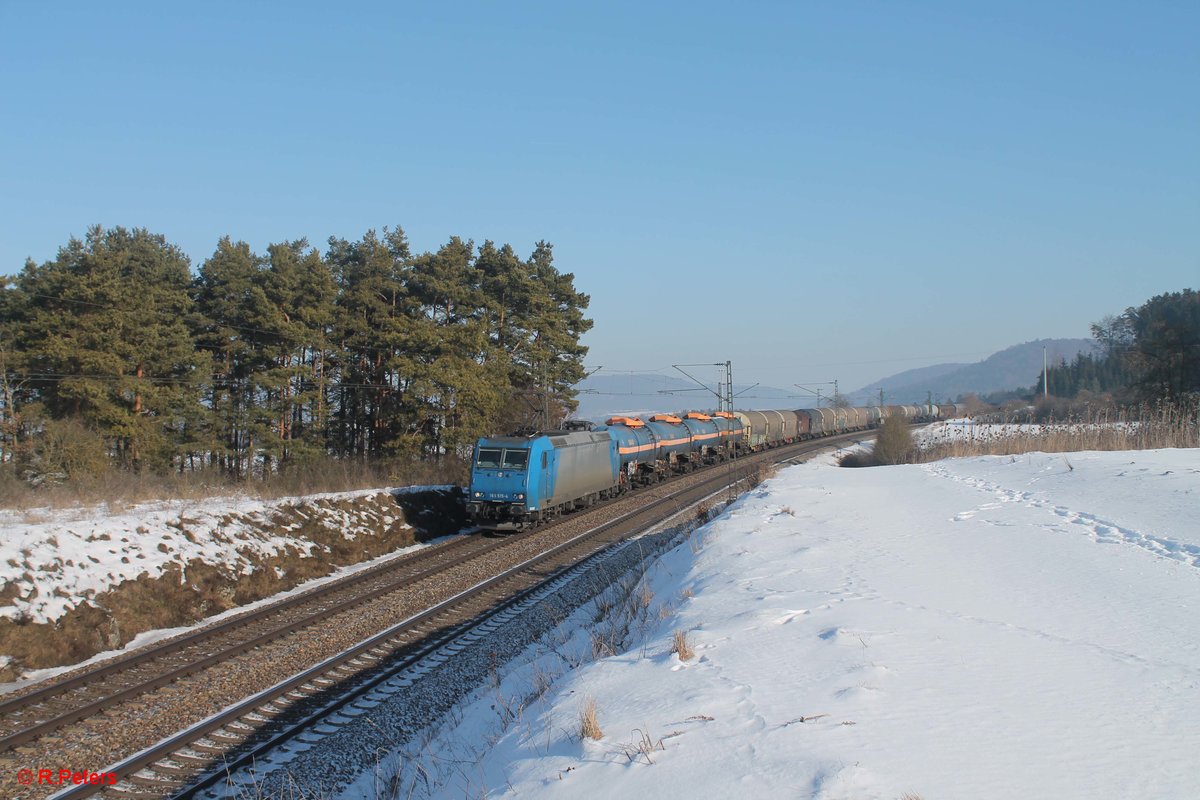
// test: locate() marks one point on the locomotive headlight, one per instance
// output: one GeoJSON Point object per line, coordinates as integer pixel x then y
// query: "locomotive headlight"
{"type": "Point", "coordinates": [479, 494]}
{"type": "Point", "coordinates": [520, 497]}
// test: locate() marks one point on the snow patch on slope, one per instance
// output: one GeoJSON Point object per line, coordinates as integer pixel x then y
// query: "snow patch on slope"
{"type": "Point", "coordinates": [51, 561]}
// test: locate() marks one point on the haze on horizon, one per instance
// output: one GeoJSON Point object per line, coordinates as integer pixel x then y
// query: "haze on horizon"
{"type": "Point", "coordinates": [813, 191]}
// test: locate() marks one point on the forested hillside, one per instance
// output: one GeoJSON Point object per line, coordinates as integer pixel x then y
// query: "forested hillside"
{"type": "Point", "coordinates": [1150, 353]}
{"type": "Point", "coordinates": [115, 355]}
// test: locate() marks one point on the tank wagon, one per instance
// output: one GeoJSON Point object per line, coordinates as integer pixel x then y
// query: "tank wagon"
{"type": "Point", "coordinates": [521, 480]}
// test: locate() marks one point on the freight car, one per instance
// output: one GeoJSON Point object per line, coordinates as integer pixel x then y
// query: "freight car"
{"type": "Point", "coordinates": [520, 480]}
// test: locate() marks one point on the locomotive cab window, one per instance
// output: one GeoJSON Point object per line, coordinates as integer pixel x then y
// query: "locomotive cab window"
{"type": "Point", "coordinates": [516, 459]}
{"type": "Point", "coordinates": [488, 458]}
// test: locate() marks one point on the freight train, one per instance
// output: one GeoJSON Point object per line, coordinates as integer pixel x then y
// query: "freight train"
{"type": "Point", "coordinates": [523, 479]}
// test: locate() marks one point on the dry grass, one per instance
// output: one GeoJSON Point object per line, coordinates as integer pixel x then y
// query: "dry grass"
{"type": "Point", "coordinates": [681, 647]}
{"type": "Point", "coordinates": [1167, 427]}
{"type": "Point", "coordinates": [642, 747]}
{"type": "Point", "coordinates": [120, 489]}
{"type": "Point", "coordinates": [589, 727]}
{"type": "Point", "coordinates": [644, 596]}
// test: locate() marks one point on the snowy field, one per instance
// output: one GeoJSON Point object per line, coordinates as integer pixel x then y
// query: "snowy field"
{"type": "Point", "coordinates": [965, 429]}
{"type": "Point", "coordinates": [996, 627]}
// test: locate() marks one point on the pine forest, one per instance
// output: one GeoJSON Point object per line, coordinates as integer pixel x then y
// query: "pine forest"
{"type": "Point", "coordinates": [115, 356]}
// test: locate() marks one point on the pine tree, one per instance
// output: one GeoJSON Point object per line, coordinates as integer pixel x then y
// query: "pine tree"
{"type": "Point", "coordinates": [12, 309]}
{"type": "Point", "coordinates": [462, 391]}
{"type": "Point", "coordinates": [106, 342]}
{"type": "Point", "coordinates": [225, 295]}
{"type": "Point", "coordinates": [373, 334]}
{"type": "Point", "coordinates": [298, 314]}
{"type": "Point", "coordinates": [548, 360]}
{"type": "Point", "coordinates": [1166, 346]}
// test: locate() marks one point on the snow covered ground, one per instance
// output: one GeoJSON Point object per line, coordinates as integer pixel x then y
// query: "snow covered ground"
{"type": "Point", "coordinates": [54, 560]}
{"type": "Point", "coordinates": [992, 627]}
{"type": "Point", "coordinates": [966, 429]}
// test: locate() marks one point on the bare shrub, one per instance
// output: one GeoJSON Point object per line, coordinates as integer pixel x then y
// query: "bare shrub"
{"type": "Point", "coordinates": [703, 512]}
{"type": "Point", "coordinates": [894, 444]}
{"type": "Point", "coordinates": [589, 727]}
{"type": "Point", "coordinates": [66, 450]}
{"type": "Point", "coordinates": [681, 647]}
{"type": "Point", "coordinates": [858, 458]}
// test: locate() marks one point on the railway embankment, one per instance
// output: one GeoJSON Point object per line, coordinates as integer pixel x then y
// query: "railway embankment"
{"type": "Point", "coordinates": [80, 582]}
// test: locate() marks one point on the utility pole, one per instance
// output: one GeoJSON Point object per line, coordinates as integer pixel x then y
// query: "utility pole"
{"type": "Point", "coordinates": [881, 397]}
{"type": "Point", "coordinates": [723, 392]}
{"type": "Point", "coordinates": [728, 388]}
{"type": "Point", "coordinates": [817, 391]}
{"type": "Point", "coordinates": [1045, 375]}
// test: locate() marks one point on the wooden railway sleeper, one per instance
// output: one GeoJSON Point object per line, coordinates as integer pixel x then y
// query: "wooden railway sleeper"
{"type": "Point", "coordinates": [172, 770]}
{"type": "Point", "coordinates": [134, 793]}
{"type": "Point", "coordinates": [158, 781]}
{"type": "Point", "coordinates": [195, 761]}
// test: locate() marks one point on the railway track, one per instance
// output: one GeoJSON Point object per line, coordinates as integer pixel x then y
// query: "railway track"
{"type": "Point", "coordinates": [32, 715]}
{"type": "Point", "coordinates": [245, 728]}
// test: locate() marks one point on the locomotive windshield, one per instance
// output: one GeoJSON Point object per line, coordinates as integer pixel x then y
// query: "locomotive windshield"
{"type": "Point", "coordinates": [495, 458]}
{"type": "Point", "coordinates": [516, 459]}
{"type": "Point", "coordinates": [489, 458]}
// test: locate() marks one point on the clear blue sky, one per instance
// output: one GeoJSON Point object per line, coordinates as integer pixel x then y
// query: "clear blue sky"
{"type": "Point", "coordinates": [830, 189]}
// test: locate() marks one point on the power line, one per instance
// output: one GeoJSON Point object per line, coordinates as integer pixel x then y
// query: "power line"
{"type": "Point", "coordinates": [296, 339]}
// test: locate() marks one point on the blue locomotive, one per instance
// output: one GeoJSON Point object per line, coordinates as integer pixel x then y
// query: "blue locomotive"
{"type": "Point", "coordinates": [523, 479]}
{"type": "Point", "coordinates": [518, 480]}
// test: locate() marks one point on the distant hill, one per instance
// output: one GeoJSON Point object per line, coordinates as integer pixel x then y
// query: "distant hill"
{"type": "Point", "coordinates": [1013, 368]}
{"type": "Point", "coordinates": [604, 395]}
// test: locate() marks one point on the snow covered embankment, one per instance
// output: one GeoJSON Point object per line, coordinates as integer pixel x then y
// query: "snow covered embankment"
{"type": "Point", "coordinates": [992, 627]}
{"type": "Point", "coordinates": [73, 583]}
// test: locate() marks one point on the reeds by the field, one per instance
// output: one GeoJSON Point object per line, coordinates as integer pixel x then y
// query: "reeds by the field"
{"type": "Point", "coordinates": [1143, 429]}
